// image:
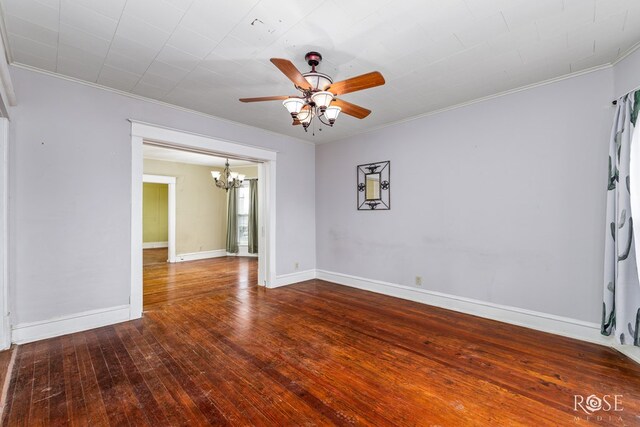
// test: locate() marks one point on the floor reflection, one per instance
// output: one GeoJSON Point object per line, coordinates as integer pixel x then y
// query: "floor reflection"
{"type": "Point", "coordinates": [166, 283]}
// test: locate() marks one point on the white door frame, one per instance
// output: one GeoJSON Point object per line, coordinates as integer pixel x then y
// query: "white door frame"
{"type": "Point", "coordinates": [159, 135]}
{"type": "Point", "coordinates": [171, 235]}
{"type": "Point", "coordinates": [5, 324]}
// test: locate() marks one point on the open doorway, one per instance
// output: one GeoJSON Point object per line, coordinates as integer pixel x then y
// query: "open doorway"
{"type": "Point", "coordinates": [158, 218]}
{"type": "Point", "coordinates": [200, 231]}
{"type": "Point", "coordinates": [155, 223]}
{"type": "Point", "coordinates": [142, 133]}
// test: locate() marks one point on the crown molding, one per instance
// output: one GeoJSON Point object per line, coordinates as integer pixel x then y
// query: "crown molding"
{"type": "Point", "coordinates": [4, 35]}
{"type": "Point", "coordinates": [153, 101]}
{"type": "Point", "coordinates": [620, 58]}
{"type": "Point", "coordinates": [350, 135]}
{"type": "Point", "coordinates": [628, 52]}
{"type": "Point", "coordinates": [624, 56]}
{"type": "Point", "coordinates": [7, 93]}
{"type": "Point", "coordinates": [476, 101]}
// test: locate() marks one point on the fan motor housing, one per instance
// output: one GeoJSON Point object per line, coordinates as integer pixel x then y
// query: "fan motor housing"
{"type": "Point", "coordinates": [313, 59]}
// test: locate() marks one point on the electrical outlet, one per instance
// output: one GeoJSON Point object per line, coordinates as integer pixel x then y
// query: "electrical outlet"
{"type": "Point", "coordinates": [418, 280]}
{"type": "Point", "coordinates": [297, 265]}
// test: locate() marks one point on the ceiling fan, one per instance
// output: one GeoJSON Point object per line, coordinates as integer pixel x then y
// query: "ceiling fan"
{"type": "Point", "coordinates": [319, 93]}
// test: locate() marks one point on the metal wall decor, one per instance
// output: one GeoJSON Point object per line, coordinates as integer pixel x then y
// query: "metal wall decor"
{"type": "Point", "coordinates": [374, 186]}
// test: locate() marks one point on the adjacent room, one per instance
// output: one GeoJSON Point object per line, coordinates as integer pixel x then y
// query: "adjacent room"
{"type": "Point", "coordinates": [284, 213]}
{"type": "Point", "coordinates": [213, 228]}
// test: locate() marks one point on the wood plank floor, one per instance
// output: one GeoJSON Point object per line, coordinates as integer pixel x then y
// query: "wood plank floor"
{"type": "Point", "coordinates": [166, 283]}
{"type": "Point", "coordinates": [155, 256]}
{"type": "Point", "coordinates": [5, 362]}
{"type": "Point", "coordinates": [313, 353]}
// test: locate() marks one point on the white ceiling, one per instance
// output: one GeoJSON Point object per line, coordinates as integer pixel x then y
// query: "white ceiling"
{"type": "Point", "coordinates": [205, 54]}
{"type": "Point", "coordinates": [153, 152]}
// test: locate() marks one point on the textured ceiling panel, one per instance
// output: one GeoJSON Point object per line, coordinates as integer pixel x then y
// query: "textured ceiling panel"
{"type": "Point", "coordinates": [204, 55]}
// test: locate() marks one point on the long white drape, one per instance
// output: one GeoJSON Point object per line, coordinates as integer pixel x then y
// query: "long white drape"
{"type": "Point", "coordinates": [621, 306]}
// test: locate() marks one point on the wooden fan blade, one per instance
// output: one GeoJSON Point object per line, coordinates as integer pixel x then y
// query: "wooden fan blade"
{"type": "Point", "coordinates": [296, 122]}
{"type": "Point", "coordinates": [265, 98]}
{"type": "Point", "coordinates": [353, 84]}
{"type": "Point", "coordinates": [351, 109]}
{"type": "Point", "coordinates": [290, 70]}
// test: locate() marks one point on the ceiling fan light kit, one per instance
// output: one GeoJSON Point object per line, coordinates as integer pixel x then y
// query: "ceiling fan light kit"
{"type": "Point", "coordinates": [319, 93]}
{"type": "Point", "coordinates": [318, 81]}
{"type": "Point", "coordinates": [293, 105]}
{"type": "Point", "coordinates": [322, 99]}
{"type": "Point", "coordinates": [331, 113]}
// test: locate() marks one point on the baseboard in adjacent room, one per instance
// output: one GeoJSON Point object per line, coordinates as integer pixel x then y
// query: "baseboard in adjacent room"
{"type": "Point", "coordinates": [155, 245]}
{"type": "Point", "coordinates": [28, 332]}
{"type": "Point", "coordinates": [243, 250]}
{"type": "Point", "coordinates": [291, 278]}
{"type": "Point", "coordinates": [194, 256]}
{"type": "Point", "coordinates": [545, 322]}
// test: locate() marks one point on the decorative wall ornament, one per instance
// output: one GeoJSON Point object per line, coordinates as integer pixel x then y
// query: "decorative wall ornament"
{"type": "Point", "coordinates": [374, 186]}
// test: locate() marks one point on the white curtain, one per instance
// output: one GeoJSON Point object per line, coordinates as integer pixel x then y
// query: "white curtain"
{"type": "Point", "coordinates": [621, 306]}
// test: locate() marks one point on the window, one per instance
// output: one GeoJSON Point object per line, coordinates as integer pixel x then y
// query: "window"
{"type": "Point", "coordinates": [243, 214]}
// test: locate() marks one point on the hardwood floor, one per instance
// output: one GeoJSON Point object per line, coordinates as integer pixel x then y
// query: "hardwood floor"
{"type": "Point", "coordinates": [5, 365]}
{"type": "Point", "coordinates": [155, 256]}
{"type": "Point", "coordinates": [313, 353]}
{"type": "Point", "coordinates": [166, 283]}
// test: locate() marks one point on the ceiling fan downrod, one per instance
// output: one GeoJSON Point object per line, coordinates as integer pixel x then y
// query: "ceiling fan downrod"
{"type": "Point", "coordinates": [313, 59]}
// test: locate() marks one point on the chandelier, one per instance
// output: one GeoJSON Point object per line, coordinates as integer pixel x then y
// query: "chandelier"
{"type": "Point", "coordinates": [227, 179]}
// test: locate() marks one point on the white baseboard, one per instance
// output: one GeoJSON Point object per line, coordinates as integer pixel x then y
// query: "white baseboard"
{"type": "Point", "coordinates": [243, 250]}
{"type": "Point", "coordinates": [194, 256]}
{"type": "Point", "coordinates": [572, 328]}
{"type": "Point", "coordinates": [291, 278]}
{"type": "Point", "coordinates": [632, 352]}
{"type": "Point", "coordinates": [28, 332]}
{"type": "Point", "coordinates": [154, 245]}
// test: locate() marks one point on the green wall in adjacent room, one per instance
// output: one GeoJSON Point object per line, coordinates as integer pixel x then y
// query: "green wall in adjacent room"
{"type": "Point", "coordinates": [155, 208]}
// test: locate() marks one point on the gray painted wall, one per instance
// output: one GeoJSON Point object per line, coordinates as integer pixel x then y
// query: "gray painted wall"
{"type": "Point", "coordinates": [70, 244]}
{"type": "Point", "coordinates": [501, 201]}
{"type": "Point", "coordinates": [627, 74]}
